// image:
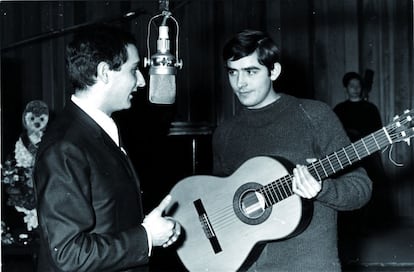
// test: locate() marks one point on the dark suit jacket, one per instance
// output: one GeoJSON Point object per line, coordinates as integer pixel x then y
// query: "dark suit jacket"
{"type": "Point", "coordinates": [88, 200]}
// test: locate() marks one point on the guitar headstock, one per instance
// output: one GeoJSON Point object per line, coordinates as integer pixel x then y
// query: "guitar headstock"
{"type": "Point", "coordinates": [401, 128]}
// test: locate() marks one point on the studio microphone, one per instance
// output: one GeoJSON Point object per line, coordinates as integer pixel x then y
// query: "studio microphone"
{"type": "Point", "coordinates": [162, 65]}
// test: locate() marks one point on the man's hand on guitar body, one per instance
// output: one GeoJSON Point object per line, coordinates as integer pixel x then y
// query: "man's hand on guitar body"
{"type": "Point", "coordinates": [164, 231]}
{"type": "Point", "coordinates": [304, 184]}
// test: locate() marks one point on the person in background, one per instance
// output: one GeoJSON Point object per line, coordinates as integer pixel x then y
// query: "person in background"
{"type": "Point", "coordinates": [360, 118]}
{"type": "Point", "coordinates": [272, 123]}
{"type": "Point", "coordinates": [88, 194]}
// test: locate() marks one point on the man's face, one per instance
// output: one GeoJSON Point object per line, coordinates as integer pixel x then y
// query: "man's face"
{"type": "Point", "coordinates": [124, 82]}
{"type": "Point", "coordinates": [354, 89]}
{"type": "Point", "coordinates": [251, 81]}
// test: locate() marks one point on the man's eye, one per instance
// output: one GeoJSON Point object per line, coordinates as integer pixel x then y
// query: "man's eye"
{"type": "Point", "coordinates": [231, 72]}
{"type": "Point", "coordinates": [251, 72]}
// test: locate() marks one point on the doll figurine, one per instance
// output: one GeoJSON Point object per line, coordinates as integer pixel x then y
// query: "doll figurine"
{"type": "Point", "coordinates": [17, 169]}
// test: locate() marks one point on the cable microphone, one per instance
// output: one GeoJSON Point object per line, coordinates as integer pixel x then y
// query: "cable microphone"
{"type": "Point", "coordinates": [163, 66]}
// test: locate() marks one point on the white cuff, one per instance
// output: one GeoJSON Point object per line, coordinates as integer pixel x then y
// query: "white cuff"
{"type": "Point", "coordinates": [149, 238]}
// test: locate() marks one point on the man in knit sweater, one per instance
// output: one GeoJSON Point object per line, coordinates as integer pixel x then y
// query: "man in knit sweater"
{"type": "Point", "coordinates": [276, 124]}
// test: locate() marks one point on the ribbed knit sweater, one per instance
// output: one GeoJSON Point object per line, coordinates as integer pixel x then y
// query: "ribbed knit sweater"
{"type": "Point", "coordinates": [295, 129]}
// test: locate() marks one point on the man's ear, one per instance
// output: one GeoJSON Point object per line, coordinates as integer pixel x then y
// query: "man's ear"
{"type": "Point", "coordinates": [277, 69]}
{"type": "Point", "coordinates": [102, 72]}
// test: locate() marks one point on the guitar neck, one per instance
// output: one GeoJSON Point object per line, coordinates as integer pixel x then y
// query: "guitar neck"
{"type": "Point", "coordinates": [349, 155]}
{"type": "Point", "coordinates": [282, 188]}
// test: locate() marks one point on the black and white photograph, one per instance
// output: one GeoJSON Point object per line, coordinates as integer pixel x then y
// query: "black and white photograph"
{"type": "Point", "coordinates": [207, 135]}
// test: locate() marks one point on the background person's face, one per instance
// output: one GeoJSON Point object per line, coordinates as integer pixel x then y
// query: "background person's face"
{"type": "Point", "coordinates": [354, 89]}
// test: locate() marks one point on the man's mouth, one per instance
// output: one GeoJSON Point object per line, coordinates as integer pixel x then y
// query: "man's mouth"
{"type": "Point", "coordinates": [244, 93]}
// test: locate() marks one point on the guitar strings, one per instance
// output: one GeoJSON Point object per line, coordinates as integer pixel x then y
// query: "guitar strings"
{"type": "Point", "coordinates": [224, 217]}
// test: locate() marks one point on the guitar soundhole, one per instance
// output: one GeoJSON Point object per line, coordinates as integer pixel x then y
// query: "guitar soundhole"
{"type": "Point", "coordinates": [249, 205]}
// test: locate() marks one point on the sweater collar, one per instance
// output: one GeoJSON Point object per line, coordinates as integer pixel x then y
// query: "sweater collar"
{"type": "Point", "coordinates": [267, 114]}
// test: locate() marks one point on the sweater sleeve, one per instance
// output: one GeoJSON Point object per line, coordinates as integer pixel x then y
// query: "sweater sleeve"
{"type": "Point", "coordinates": [350, 189]}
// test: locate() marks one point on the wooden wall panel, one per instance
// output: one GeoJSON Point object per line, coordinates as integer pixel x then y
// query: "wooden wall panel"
{"type": "Point", "coordinates": [374, 46]}
{"type": "Point", "coordinates": [295, 45]}
{"type": "Point", "coordinates": [273, 20]}
{"type": "Point", "coordinates": [195, 82]}
{"type": "Point", "coordinates": [386, 48]}
{"type": "Point", "coordinates": [225, 100]}
{"type": "Point", "coordinates": [53, 62]}
{"type": "Point", "coordinates": [401, 28]}
{"type": "Point", "coordinates": [336, 47]}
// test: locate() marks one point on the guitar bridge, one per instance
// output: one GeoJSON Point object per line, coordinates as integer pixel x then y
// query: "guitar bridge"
{"type": "Point", "coordinates": [206, 225]}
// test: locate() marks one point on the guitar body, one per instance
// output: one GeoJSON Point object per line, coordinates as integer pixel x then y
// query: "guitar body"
{"type": "Point", "coordinates": [224, 219]}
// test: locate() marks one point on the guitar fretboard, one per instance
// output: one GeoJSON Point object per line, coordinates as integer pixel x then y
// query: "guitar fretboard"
{"type": "Point", "coordinates": [282, 188]}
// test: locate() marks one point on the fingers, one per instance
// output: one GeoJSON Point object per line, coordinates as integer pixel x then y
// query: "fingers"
{"type": "Point", "coordinates": [164, 230]}
{"type": "Point", "coordinates": [164, 204]}
{"type": "Point", "coordinates": [158, 211]}
{"type": "Point", "coordinates": [176, 232]}
{"type": "Point", "coordinates": [304, 184]}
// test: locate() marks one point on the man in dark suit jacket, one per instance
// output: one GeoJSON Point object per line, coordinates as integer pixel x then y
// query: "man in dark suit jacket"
{"type": "Point", "coordinates": [88, 195]}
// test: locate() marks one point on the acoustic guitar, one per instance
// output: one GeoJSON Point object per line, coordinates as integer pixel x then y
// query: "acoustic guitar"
{"type": "Point", "coordinates": [225, 218]}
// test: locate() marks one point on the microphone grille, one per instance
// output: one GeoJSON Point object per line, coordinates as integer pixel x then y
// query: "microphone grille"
{"type": "Point", "coordinates": [162, 89]}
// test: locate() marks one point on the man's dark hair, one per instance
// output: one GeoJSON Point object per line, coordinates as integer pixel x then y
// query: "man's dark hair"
{"type": "Point", "coordinates": [92, 45]}
{"type": "Point", "coordinates": [349, 76]}
{"type": "Point", "coordinates": [249, 41]}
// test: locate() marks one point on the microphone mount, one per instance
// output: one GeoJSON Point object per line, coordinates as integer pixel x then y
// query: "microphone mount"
{"type": "Point", "coordinates": [163, 60]}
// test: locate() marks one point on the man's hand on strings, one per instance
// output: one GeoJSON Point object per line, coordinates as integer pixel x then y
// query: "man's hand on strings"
{"type": "Point", "coordinates": [304, 184]}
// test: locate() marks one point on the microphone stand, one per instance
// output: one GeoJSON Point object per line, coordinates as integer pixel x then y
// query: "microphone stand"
{"type": "Point", "coordinates": [60, 32]}
{"type": "Point", "coordinates": [56, 33]}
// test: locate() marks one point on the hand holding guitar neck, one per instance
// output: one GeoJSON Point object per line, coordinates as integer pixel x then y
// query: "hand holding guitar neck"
{"type": "Point", "coordinates": [304, 184]}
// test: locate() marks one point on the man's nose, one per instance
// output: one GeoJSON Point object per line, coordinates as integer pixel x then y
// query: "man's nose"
{"type": "Point", "coordinates": [241, 80]}
{"type": "Point", "coordinates": [140, 79]}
